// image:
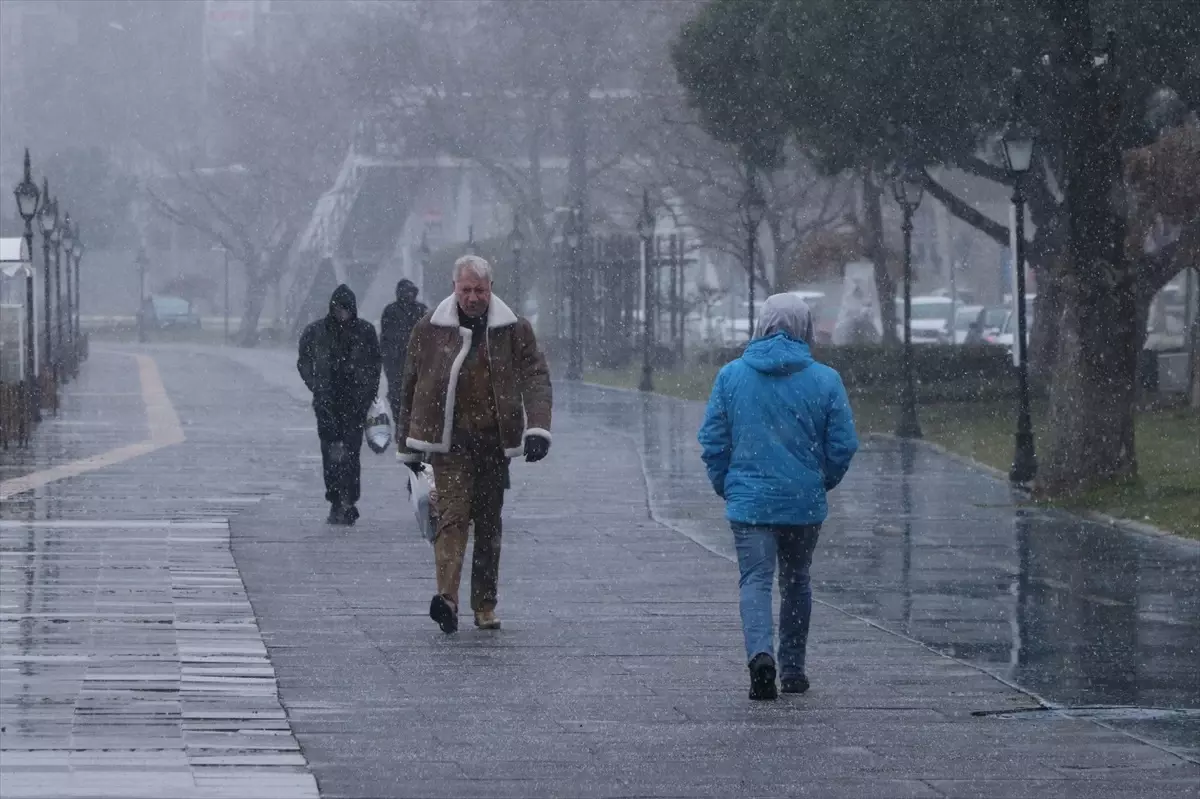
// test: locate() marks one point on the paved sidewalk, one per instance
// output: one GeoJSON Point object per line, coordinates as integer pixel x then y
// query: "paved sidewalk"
{"type": "Point", "coordinates": [619, 672]}
{"type": "Point", "coordinates": [130, 660]}
{"type": "Point", "coordinates": [1093, 619]}
{"type": "Point", "coordinates": [99, 411]}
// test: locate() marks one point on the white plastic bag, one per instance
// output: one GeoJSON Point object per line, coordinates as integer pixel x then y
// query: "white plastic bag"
{"type": "Point", "coordinates": [379, 427]}
{"type": "Point", "coordinates": [424, 501]}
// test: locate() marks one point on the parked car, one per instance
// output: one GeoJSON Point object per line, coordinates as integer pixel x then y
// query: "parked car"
{"type": "Point", "coordinates": [967, 327]}
{"type": "Point", "coordinates": [931, 320]}
{"type": "Point", "coordinates": [1008, 331]}
{"type": "Point", "coordinates": [991, 319]}
{"type": "Point", "coordinates": [164, 313]}
{"type": "Point", "coordinates": [964, 296]}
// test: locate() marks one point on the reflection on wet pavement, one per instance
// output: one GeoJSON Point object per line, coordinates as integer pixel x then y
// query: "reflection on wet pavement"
{"type": "Point", "coordinates": [131, 663]}
{"type": "Point", "coordinates": [1076, 612]}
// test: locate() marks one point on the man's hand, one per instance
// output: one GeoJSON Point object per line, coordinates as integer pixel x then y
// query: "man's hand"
{"type": "Point", "coordinates": [416, 466]}
{"type": "Point", "coordinates": [536, 448]}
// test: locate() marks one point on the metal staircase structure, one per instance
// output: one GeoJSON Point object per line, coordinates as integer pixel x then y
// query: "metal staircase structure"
{"type": "Point", "coordinates": [355, 225]}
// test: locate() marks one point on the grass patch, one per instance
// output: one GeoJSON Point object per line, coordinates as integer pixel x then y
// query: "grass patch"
{"type": "Point", "coordinates": [1166, 493]}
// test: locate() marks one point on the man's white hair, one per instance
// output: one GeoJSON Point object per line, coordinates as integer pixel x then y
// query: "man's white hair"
{"type": "Point", "coordinates": [473, 264]}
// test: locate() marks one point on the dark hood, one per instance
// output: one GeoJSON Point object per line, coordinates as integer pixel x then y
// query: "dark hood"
{"type": "Point", "coordinates": [406, 291]}
{"type": "Point", "coordinates": [343, 297]}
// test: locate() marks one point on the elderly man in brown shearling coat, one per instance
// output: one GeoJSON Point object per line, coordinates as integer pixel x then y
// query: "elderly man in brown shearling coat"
{"type": "Point", "coordinates": [476, 393]}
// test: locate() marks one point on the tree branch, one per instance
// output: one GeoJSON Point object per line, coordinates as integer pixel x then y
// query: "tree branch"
{"type": "Point", "coordinates": [964, 211]}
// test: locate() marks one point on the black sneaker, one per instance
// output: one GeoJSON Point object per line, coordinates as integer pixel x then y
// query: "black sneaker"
{"type": "Point", "coordinates": [444, 613]}
{"type": "Point", "coordinates": [762, 677]}
{"type": "Point", "coordinates": [349, 515]}
{"type": "Point", "coordinates": [794, 685]}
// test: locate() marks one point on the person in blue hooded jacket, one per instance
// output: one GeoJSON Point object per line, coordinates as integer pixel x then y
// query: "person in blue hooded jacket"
{"type": "Point", "coordinates": [777, 436]}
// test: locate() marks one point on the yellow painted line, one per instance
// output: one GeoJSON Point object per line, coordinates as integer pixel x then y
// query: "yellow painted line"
{"type": "Point", "coordinates": [163, 423]}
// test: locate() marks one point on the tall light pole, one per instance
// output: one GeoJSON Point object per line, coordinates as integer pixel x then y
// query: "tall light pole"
{"type": "Point", "coordinates": [753, 208]}
{"type": "Point", "coordinates": [67, 240]}
{"type": "Point", "coordinates": [645, 231]}
{"type": "Point", "coordinates": [48, 222]}
{"type": "Point", "coordinates": [142, 263]}
{"type": "Point", "coordinates": [573, 237]}
{"type": "Point", "coordinates": [423, 255]}
{"type": "Point", "coordinates": [908, 190]}
{"type": "Point", "coordinates": [56, 239]}
{"type": "Point", "coordinates": [77, 326]}
{"type": "Point", "coordinates": [1019, 143]}
{"type": "Point", "coordinates": [516, 243]}
{"type": "Point", "coordinates": [28, 197]}
{"type": "Point", "coordinates": [225, 253]}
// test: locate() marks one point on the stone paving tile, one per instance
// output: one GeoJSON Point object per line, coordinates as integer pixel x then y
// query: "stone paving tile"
{"type": "Point", "coordinates": [121, 597]}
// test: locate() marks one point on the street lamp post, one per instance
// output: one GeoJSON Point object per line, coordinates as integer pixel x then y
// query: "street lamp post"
{"type": "Point", "coordinates": [645, 231]}
{"type": "Point", "coordinates": [423, 255]}
{"type": "Point", "coordinates": [908, 191]}
{"type": "Point", "coordinates": [1018, 153]}
{"type": "Point", "coordinates": [77, 325]}
{"type": "Point", "coordinates": [573, 237]}
{"type": "Point", "coordinates": [142, 263]}
{"type": "Point", "coordinates": [225, 321]}
{"type": "Point", "coordinates": [48, 222]}
{"type": "Point", "coordinates": [54, 353]}
{"type": "Point", "coordinates": [28, 196]}
{"type": "Point", "coordinates": [67, 239]}
{"type": "Point", "coordinates": [516, 243]}
{"type": "Point", "coordinates": [754, 208]}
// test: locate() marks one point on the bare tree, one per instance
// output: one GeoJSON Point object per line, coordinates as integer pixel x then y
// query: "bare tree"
{"type": "Point", "coordinates": [703, 181]}
{"type": "Point", "coordinates": [281, 133]}
{"type": "Point", "coordinates": [520, 89]}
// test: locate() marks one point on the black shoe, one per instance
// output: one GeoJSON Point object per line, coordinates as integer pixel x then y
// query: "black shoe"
{"type": "Point", "coordinates": [349, 515]}
{"type": "Point", "coordinates": [444, 613]}
{"type": "Point", "coordinates": [335, 515]}
{"type": "Point", "coordinates": [794, 685]}
{"type": "Point", "coordinates": [762, 677]}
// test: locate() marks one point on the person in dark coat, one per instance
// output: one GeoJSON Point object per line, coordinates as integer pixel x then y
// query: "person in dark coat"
{"type": "Point", "coordinates": [395, 329]}
{"type": "Point", "coordinates": [340, 363]}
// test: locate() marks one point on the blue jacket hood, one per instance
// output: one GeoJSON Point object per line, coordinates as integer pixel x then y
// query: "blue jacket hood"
{"type": "Point", "coordinates": [778, 355]}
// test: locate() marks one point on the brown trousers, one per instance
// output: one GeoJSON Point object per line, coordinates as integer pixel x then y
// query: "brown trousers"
{"type": "Point", "coordinates": [470, 488]}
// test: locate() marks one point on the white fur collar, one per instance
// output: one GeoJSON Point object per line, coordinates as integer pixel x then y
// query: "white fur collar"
{"type": "Point", "coordinates": [446, 314]}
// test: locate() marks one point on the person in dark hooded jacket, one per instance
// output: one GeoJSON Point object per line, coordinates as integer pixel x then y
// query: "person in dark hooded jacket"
{"type": "Point", "coordinates": [340, 363]}
{"type": "Point", "coordinates": [777, 436]}
{"type": "Point", "coordinates": [395, 328]}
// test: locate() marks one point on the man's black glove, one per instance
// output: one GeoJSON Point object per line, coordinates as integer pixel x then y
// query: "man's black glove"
{"type": "Point", "coordinates": [536, 448]}
{"type": "Point", "coordinates": [416, 466]}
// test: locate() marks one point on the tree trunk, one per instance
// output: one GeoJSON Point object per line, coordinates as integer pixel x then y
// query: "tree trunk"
{"type": "Point", "coordinates": [1044, 335]}
{"type": "Point", "coordinates": [1094, 391]}
{"type": "Point", "coordinates": [872, 223]}
{"type": "Point", "coordinates": [256, 298]}
{"type": "Point", "coordinates": [1194, 336]}
{"type": "Point", "coordinates": [258, 283]}
{"type": "Point", "coordinates": [1094, 383]}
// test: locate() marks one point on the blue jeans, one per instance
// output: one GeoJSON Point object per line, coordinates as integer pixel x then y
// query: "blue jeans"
{"type": "Point", "coordinates": [758, 549]}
